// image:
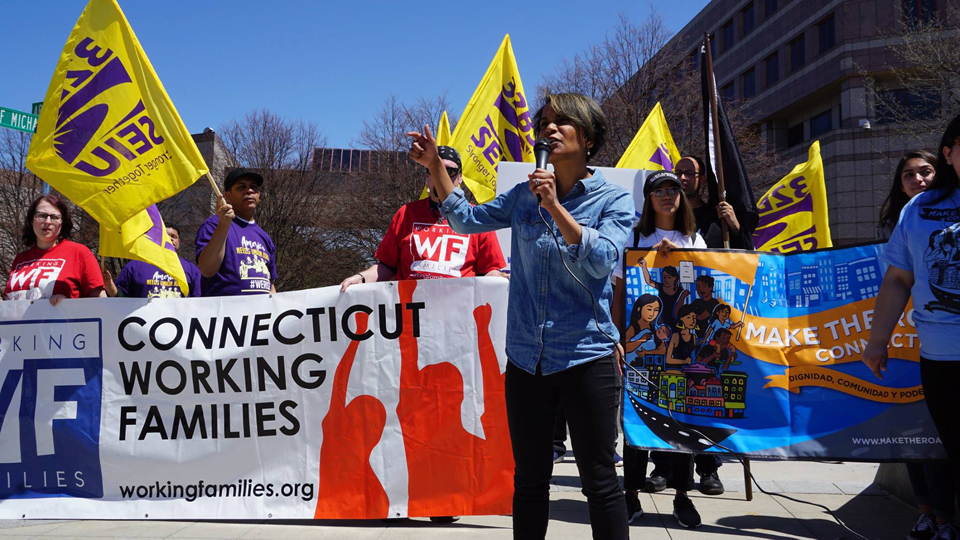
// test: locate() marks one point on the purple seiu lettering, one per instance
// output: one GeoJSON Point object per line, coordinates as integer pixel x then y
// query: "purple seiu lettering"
{"type": "Point", "coordinates": [480, 139]}
{"type": "Point", "coordinates": [74, 131]}
{"type": "Point", "coordinates": [112, 163]}
{"type": "Point", "coordinates": [514, 144]}
{"type": "Point", "coordinates": [509, 89]}
{"type": "Point", "coordinates": [525, 125]}
{"type": "Point", "coordinates": [783, 195]}
{"type": "Point", "coordinates": [83, 50]}
{"type": "Point", "coordinates": [146, 122]}
{"type": "Point", "coordinates": [135, 137]}
{"type": "Point", "coordinates": [492, 152]}
{"type": "Point", "coordinates": [78, 77]}
{"type": "Point", "coordinates": [506, 108]}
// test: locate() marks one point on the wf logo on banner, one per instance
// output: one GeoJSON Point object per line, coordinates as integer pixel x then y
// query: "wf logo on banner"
{"type": "Point", "coordinates": [496, 125]}
{"type": "Point", "coordinates": [50, 394]}
{"type": "Point", "coordinates": [109, 138]}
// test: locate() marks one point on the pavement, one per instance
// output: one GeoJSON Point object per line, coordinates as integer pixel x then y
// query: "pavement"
{"type": "Point", "coordinates": [846, 488]}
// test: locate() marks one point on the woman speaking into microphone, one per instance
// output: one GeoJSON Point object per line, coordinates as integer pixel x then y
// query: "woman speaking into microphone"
{"type": "Point", "coordinates": [560, 338]}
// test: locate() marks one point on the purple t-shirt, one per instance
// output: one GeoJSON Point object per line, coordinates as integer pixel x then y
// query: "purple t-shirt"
{"type": "Point", "coordinates": [141, 280]}
{"type": "Point", "coordinates": [249, 259]}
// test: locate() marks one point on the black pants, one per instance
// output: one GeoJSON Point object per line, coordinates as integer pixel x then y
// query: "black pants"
{"type": "Point", "coordinates": [590, 395]}
{"type": "Point", "coordinates": [939, 379]}
{"type": "Point", "coordinates": [707, 464]}
{"type": "Point", "coordinates": [560, 433]}
{"type": "Point", "coordinates": [677, 467]}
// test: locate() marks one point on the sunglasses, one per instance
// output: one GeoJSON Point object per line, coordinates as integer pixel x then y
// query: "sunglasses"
{"type": "Point", "coordinates": [666, 192]}
{"type": "Point", "coordinates": [452, 172]}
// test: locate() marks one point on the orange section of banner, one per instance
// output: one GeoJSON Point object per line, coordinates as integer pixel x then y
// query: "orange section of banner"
{"type": "Point", "coordinates": [797, 377]}
{"type": "Point", "coordinates": [739, 264]}
{"type": "Point", "coordinates": [836, 336]}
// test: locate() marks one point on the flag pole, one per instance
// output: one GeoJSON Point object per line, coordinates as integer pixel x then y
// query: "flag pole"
{"type": "Point", "coordinates": [714, 117]}
{"type": "Point", "coordinates": [213, 184]}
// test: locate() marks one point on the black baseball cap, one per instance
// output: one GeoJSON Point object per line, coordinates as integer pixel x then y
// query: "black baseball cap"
{"type": "Point", "coordinates": [449, 152]}
{"type": "Point", "coordinates": [657, 179]}
{"type": "Point", "coordinates": [239, 173]}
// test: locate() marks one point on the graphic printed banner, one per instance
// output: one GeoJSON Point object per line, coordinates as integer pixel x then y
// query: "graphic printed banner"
{"type": "Point", "coordinates": [762, 353]}
{"type": "Point", "coordinates": [383, 401]}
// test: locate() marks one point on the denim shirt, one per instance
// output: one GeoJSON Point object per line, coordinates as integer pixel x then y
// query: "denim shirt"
{"type": "Point", "coordinates": [550, 321]}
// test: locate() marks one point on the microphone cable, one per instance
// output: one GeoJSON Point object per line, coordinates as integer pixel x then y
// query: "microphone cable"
{"type": "Point", "coordinates": [622, 361]}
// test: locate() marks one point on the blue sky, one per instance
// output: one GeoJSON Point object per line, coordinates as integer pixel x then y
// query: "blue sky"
{"type": "Point", "coordinates": [333, 63]}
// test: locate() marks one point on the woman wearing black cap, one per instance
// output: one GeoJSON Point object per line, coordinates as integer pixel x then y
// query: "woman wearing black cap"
{"type": "Point", "coordinates": [666, 223]}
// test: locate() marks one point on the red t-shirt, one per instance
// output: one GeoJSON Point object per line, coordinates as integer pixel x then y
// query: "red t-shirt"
{"type": "Point", "coordinates": [67, 268]}
{"type": "Point", "coordinates": [421, 245]}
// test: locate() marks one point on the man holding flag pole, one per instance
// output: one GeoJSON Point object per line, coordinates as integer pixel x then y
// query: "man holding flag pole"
{"type": "Point", "coordinates": [724, 169]}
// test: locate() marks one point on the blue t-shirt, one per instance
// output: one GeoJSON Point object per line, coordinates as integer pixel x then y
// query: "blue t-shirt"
{"type": "Point", "coordinates": [925, 242]}
{"type": "Point", "coordinates": [141, 280]}
{"type": "Point", "coordinates": [249, 265]}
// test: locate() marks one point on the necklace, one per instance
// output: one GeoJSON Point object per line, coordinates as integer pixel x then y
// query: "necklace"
{"type": "Point", "coordinates": [673, 236]}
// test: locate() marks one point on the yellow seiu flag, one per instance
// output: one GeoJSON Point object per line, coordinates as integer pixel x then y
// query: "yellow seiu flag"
{"type": "Point", "coordinates": [108, 136]}
{"type": "Point", "coordinates": [496, 125]}
{"type": "Point", "coordinates": [144, 238]}
{"type": "Point", "coordinates": [793, 214]}
{"type": "Point", "coordinates": [444, 138]}
{"type": "Point", "coordinates": [652, 148]}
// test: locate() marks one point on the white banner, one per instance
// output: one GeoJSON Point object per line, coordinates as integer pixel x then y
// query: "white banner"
{"type": "Point", "coordinates": [384, 401]}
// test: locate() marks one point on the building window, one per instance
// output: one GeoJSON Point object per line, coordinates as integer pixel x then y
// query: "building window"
{"type": "Point", "coordinates": [695, 60]}
{"type": "Point", "coordinates": [795, 137]}
{"type": "Point", "coordinates": [772, 67]}
{"type": "Point", "coordinates": [827, 34]}
{"type": "Point", "coordinates": [918, 12]}
{"type": "Point", "coordinates": [746, 15]}
{"type": "Point", "coordinates": [726, 35]}
{"type": "Point", "coordinates": [798, 53]}
{"type": "Point", "coordinates": [821, 124]}
{"type": "Point", "coordinates": [727, 92]}
{"type": "Point", "coordinates": [769, 7]}
{"type": "Point", "coordinates": [902, 104]}
{"type": "Point", "coordinates": [749, 83]}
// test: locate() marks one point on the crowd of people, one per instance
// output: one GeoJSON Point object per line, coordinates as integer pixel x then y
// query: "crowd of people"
{"type": "Point", "coordinates": [570, 229]}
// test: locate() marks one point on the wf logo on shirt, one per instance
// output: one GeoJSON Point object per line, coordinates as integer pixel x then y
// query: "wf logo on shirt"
{"type": "Point", "coordinates": [34, 279]}
{"type": "Point", "coordinates": [50, 392]}
{"type": "Point", "coordinates": [437, 250]}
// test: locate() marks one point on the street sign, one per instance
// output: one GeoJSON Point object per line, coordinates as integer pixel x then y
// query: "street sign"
{"type": "Point", "coordinates": [35, 108]}
{"type": "Point", "coordinates": [19, 120]}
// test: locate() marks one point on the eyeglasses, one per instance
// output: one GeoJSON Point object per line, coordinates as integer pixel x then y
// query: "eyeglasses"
{"type": "Point", "coordinates": [43, 216]}
{"type": "Point", "coordinates": [660, 193]}
{"type": "Point", "coordinates": [691, 174]}
{"type": "Point", "coordinates": [452, 172]}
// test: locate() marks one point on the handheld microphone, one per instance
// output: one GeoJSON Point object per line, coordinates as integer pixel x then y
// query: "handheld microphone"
{"type": "Point", "coordinates": [541, 151]}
